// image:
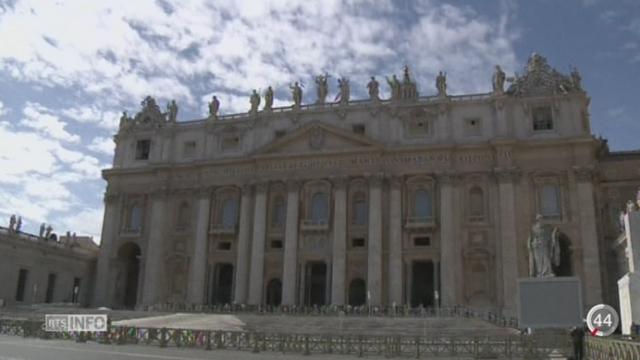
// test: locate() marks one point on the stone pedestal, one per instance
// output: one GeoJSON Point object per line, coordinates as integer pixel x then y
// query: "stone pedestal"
{"type": "Point", "coordinates": [551, 302]}
{"type": "Point", "coordinates": [629, 293]}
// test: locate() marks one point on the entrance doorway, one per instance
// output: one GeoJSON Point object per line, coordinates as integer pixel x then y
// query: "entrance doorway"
{"type": "Point", "coordinates": [422, 283]}
{"type": "Point", "coordinates": [357, 292]}
{"type": "Point", "coordinates": [316, 280]}
{"type": "Point", "coordinates": [274, 292]}
{"type": "Point", "coordinates": [222, 284]}
{"type": "Point", "coordinates": [129, 256]}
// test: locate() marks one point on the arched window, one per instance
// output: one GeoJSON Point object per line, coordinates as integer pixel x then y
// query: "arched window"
{"type": "Point", "coordinates": [278, 216]}
{"type": "Point", "coordinates": [319, 207]}
{"type": "Point", "coordinates": [359, 208]}
{"type": "Point", "coordinates": [135, 217]}
{"type": "Point", "coordinates": [550, 201]}
{"type": "Point", "coordinates": [183, 216]}
{"type": "Point", "coordinates": [423, 205]}
{"type": "Point", "coordinates": [476, 204]}
{"type": "Point", "coordinates": [229, 213]}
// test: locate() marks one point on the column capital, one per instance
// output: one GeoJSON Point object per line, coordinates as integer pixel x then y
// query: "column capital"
{"type": "Point", "coordinates": [159, 192]}
{"type": "Point", "coordinates": [339, 181]}
{"type": "Point", "coordinates": [395, 181]}
{"type": "Point", "coordinates": [449, 178]}
{"type": "Point", "coordinates": [506, 175]}
{"type": "Point", "coordinates": [111, 198]}
{"type": "Point", "coordinates": [584, 173]}
{"type": "Point", "coordinates": [375, 179]}
{"type": "Point", "coordinates": [262, 186]}
{"type": "Point", "coordinates": [293, 184]}
{"type": "Point", "coordinates": [246, 188]}
{"type": "Point", "coordinates": [203, 192]}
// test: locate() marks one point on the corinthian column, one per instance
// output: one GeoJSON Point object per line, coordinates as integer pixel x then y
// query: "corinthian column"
{"type": "Point", "coordinates": [395, 241]}
{"type": "Point", "coordinates": [257, 248]}
{"type": "Point", "coordinates": [102, 294]}
{"type": "Point", "coordinates": [153, 274]}
{"type": "Point", "coordinates": [242, 252]}
{"type": "Point", "coordinates": [199, 262]}
{"type": "Point", "coordinates": [374, 260]}
{"type": "Point", "coordinates": [339, 250]}
{"type": "Point", "coordinates": [589, 237]}
{"type": "Point", "coordinates": [508, 238]}
{"type": "Point", "coordinates": [289, 276]}
{"type": "Point", "coordinates": [448, 253]}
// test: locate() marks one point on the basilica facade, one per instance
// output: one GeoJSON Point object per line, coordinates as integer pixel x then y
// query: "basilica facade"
{"type": "Point", "coordinates": [419, 200]}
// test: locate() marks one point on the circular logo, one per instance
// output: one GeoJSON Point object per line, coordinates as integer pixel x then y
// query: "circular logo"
{"type": "Point", "coordinates": [602, 320]}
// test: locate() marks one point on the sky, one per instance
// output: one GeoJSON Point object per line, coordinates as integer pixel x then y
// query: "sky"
{"type": "Point", "coordinates": [69, 68]}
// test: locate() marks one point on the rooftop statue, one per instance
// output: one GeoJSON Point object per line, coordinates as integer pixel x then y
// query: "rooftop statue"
{"type": "Point", "coordinates": [544, 249]}
{"type": "Point", "coordinates": [255, 102]}
{"type": "Point", "coordinates": [343, 85]}
{"type": "Point", "coordinates": [409, 88]}
{"type": "Point", "coordinates": [498, 80]}
{"type": "Point", "coordinates": [541, 79]}
{"type": "Point", "coordinates": [19, 224]}
{"type": "Point", "coordinates": [124, 120]}
{"type": "Point", "coordinates": [296, 94]}
{"type": "Point", "coordinates": [373, 87]}
{"type": "Point", "coordinates": [322, 88]}
{"type": "Point", "coordinates": [172, 111]}
{"type": "Point", "coordinates": [576, 78]}
{"type": "Point", "coordinates": [394, 84]}
{"type": "Point", "coordinates": [214, 106]}
{"type": "Point", "coordinates": [12, 223]}
{"type": "Point", "coordinates": [48, 231]}
{"type": "Point", "coordinates": [441, 84]}
{"type": "Point", "coordinates": [268, 99]}
{"type": "Point", "coordinates": [41, 233]}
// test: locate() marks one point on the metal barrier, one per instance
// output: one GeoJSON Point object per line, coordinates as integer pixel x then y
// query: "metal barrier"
{"type": "Point", "coordinates": [606, 348]}
{"type": "Point", "coordinates": [535, 346]}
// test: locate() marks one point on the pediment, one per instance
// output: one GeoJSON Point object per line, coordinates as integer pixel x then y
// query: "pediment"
{"type": "Point", "coordinates": [318, 137]}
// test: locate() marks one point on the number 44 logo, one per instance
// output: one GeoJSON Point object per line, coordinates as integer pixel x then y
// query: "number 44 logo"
{"type": "Point", "coordinates": [602, 320]}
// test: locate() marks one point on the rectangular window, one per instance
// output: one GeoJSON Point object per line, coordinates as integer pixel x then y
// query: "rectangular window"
{"type": "Point", "coordinates": [230, 142]}
{"type": "Point", "coordinates": [358, 129]}
{"type": "Point", "coordinates": [422, 241]}
{"type": "Point", "coordinates": [51, 288]}
{"type": "Point", "coordinates": [550, 201]}
{"type": "Point", "coordinates": [22, 283]}
{"type": "Point", "coordinates": [189, 149]}
{"type": "Point", "coordinates": [143, 148]}
{"type": "Point", "coordinates": [542, 118]}
{"type": "Point", "coordinates": [225, 245]}
{"type": "Point", "coordinates": [357, 242]}
{"type": "Point", "coordinates": [418, 128]}
{"type": "Point", "coordinates": [276, 244]}
{"type": "Point", "coordinates": [472, 127]}
{"type": "Point", "coordinates": [280, 133]}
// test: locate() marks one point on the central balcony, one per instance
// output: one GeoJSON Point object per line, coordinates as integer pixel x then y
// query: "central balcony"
{"type": "Point", "coordinates": [223, 229]}
{"type": "Point", "coordinates": [314, 225]}
{"type": "Point", "coordinates": [420, 222]}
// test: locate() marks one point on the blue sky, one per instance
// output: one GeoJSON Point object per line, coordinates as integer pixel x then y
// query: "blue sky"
{"type": "Point", "coordinates": [68, 68]}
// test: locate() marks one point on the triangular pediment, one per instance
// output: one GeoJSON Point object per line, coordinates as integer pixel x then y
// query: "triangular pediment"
{"type": "Point", "coordinates": [317, 137]}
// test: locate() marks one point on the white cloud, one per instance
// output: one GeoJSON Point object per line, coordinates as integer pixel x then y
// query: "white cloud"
{"type": "Point", "coordinates": [3, 109]}
{"type": "Point", "coordinates": [103, 145]}
{"type": "Point", "coordinates": [88, 221]}
{"type": "Point", "coordinates": [93, 115]}
{"type": "Point", "coordinates": [37, 117]}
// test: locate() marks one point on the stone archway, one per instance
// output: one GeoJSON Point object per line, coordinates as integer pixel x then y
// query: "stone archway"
{"type": "Point", "coordinates": [127, 284]}
{"type": "Point", "coordinates": [357, 292]}
{"type": "Point", "coordinates": [274, 292]}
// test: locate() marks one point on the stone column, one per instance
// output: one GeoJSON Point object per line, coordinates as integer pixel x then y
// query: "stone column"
{"type": "Point", "coordinates": [395, 241]}
{"type": "Point", "coordinates": [200, 250]}
{"type": "Point", "coordinates": [374, 259]}
{"type": "Point", "coordinates": [102, 293]}
{"type": "Point", "coordinates": [589, 238]}
{"type": "Point", "coordinates": [339, 249]}
{"type": "Point", "coordinates": [508, 238]}
{"type": "Point", "coordinates": [257, 248]}
{"type": "Point", "coordinates": [242, 251]}
{"type": "Point", "coordinates": [154, 274]}
{"type": "Point", "coordinates": [290, 266]}
{"type": "Point", "coordinates": [449, 258]}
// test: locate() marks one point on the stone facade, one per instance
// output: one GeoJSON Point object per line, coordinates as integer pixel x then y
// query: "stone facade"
{"type": "Point", "coordinates": [34, 270]}
{"type": "Point", "coordinates": [412, 200]}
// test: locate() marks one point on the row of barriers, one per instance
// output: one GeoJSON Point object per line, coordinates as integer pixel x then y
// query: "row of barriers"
{"type": "Point", "coordinates": [435, 345]}
{"type": "Point", "coordinates": [336, 310]}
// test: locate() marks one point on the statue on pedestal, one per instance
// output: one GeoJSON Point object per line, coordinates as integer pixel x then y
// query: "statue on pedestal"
{"type": "Point", "coordinates": [576, 79]}
{"type": "Point", "coordinates": [441, 84]}
{"type": "Point", "coordinates": [394, 84]}
{"type": "Point", "coordinates": [322, 89]}
{"type": "Point", "coordinates": [268, 99]}
{"type": "Point", "coordinates": [498, 81]}
{"type": "Point", "coordinates": [254, 100]}
{"type": "Point", "coordinates": [19, 224]}
{"type": "Point", "coordinates": [172, 111]}
{"type": "Point", "coordinates": [343, 85]}
{"type": "Point", "coordinates": [124, 119]}
{"type": "Point", "coordinates": [544, 249]}
{"type": "Point", "coordinates": [296, 94]}
{"type": "Point", "coordinates": [373, 87]}
{"type": "Point", "coordinates": [214, 106]}
{"type": "Point", "coordinates": [12, 223]}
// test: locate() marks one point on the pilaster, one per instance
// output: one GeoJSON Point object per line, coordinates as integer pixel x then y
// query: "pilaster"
{"type": "Point", "coordinates": [374, 260]}
{"type": "Point", "coordinates": [257, 247]}
{"type": "Point", "coordinates": [290, 276]}
{"type": "Point", "coordinates": [243, 249]}
{"type": "Point", "coordinates": [198, 269]}
{"type": "Point", "coordinates": [339, 249]}
{"type": "Point", "coordinates": [395, 241]}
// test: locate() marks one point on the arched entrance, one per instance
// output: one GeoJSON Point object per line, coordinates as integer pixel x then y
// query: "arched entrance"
{"type": "Point", "coordinates": [222, 284]}
{"type": "Point", "coordinates": [357, 292]}
{"type": "Point", "coordinates": [316, 284]}
{"type": "Point", "coordinates": [422, 283]}
{"type": "Point", "coordinates": [129, 256]}
{"type": "Point", "coordinates": [274, 292]}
